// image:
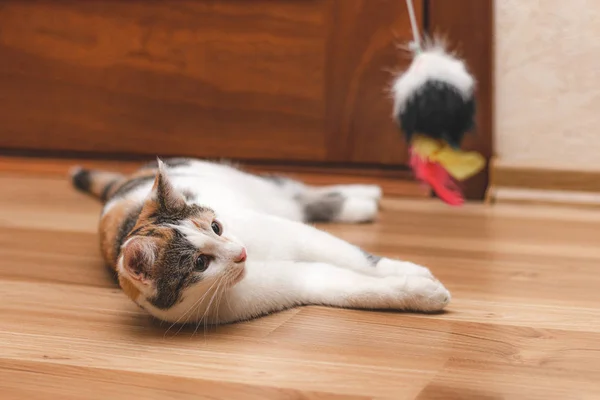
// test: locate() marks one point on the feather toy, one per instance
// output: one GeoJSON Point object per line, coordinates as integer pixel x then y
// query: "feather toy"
{"type": "Point", "coordinates": [434, 104]}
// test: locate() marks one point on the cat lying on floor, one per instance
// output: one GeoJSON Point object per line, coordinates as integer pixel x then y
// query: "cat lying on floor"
{"type": "Point", "coordinates": [197, 241]}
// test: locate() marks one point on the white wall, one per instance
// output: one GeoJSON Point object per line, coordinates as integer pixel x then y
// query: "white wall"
{"type": "Point", "coordinates": [548, 83]}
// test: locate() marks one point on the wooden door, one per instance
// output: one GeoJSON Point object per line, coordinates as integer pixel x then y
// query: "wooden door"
{"type": "Point", "coordinates": [275, 80]}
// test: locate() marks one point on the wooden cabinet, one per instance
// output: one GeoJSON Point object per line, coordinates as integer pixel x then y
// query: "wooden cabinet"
{"type": "Point", "coordinates": [276, 81]}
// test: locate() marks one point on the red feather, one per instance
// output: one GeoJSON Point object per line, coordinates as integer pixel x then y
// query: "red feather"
{"type": "Point", "coordinates": [440, 181]}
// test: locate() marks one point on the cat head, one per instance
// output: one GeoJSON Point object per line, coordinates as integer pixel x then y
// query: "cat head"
{"type": "Point", "coordinates": [177, 255]}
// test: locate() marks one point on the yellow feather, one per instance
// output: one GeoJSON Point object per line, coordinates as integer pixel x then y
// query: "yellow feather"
{"type": "Point", "coordinates": [459, 164]}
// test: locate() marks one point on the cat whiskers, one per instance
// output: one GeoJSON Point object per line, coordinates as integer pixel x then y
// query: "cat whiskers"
{"type": "Point", "coordinates": [219, 298]}
{"type": "Point", "coordinates": [188, 311]}
{"type": "Point", "coordinates": [224, 282]}
{"type": "Point", "coordinates": [232, 278]}
{"type": "Point", "coordinates": [207, 310]}
{"type": "Point", "coordinates": [210, 289]}
{"type": "Point", "coordinates": [183, 315]}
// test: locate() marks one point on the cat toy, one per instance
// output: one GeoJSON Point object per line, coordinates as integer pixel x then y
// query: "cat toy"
{"type": "Point", "coordinates": [434, 104]}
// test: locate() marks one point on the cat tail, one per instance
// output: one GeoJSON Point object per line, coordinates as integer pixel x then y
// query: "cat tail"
{"type": "Point", "coordinates": [99, 184]}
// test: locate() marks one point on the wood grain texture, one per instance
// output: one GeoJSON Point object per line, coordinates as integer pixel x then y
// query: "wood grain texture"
{"type": "Point", "coordinates": [468, 26]}
{"type": "Point", "coordinates": [189, 77]}
{"type": "Point", "coordinates": [261, 79]}
{"type": "Point", "coordinates": [363, 56]}
{"type": "Point", "coordinates": [524, 322]}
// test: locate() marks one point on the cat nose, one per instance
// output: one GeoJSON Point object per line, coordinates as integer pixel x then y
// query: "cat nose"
{"type": "Point", "coordinates": [242, 256]}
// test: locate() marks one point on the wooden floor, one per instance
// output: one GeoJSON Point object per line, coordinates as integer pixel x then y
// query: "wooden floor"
{"type": "Point", "coordinates": [524, 322]}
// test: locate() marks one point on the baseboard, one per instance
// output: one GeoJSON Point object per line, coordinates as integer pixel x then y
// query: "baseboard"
{"type": "Point", "coordinates": [529, 184]}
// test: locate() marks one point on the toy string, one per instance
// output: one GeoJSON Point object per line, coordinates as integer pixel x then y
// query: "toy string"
{"type": "Point", "coordinates": [416, 43]}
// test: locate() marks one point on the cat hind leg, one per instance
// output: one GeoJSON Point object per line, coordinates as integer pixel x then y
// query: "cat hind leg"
{"type": "Point", "coordinates": [336, 203]}
{"type": "Point", "coordinates": [340, 203]}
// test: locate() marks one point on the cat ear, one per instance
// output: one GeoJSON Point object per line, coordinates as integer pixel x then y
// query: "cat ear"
{"type": "Point", "coordinates": [167, 197]}
{"type": "Point", "coordinates": [139, 255]}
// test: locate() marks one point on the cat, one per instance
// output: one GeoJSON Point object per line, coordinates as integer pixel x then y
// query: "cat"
{"type": "Point", "coordinates": [192, 240]}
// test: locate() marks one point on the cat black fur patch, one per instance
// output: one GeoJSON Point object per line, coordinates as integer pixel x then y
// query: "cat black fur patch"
{"type": "Point", "coordinates": [440, 111]}
{"type": "Point", "coordinates": [106, 190]}
{"type": "Point", "coordinates": [82, 180]}
{"type": "Point", "coordinates": [164, 216]}
{"type": "Point", "coordinates": [178, 263]}
{"type": "Point", "coordinates": [324, 209]}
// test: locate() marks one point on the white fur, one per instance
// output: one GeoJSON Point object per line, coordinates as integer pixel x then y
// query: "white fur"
{"type": "Point", "coordinates": [289, 262]}
{"type": "Point", "coordinates": [358, 209]}
{"type": "Point", "coordinates": [433, 63]}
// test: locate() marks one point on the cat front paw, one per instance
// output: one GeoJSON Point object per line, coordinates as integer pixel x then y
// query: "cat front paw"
{"type": "Point", "coordinates": [429, 295]}
{"type": "Point", "coordinates": [419, 293]}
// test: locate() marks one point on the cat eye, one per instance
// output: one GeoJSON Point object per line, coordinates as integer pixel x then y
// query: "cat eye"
{"type": "Point", "coordinates": [201, 263]}
{"type": "Point", "coordinates": [217, 228]}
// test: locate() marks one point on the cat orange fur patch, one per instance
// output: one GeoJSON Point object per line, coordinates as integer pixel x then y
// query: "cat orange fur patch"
{"type": "Point", "coordinates": [150, 207]}
{"type": "Point", "coordinates": [129, 288]}
{"type": "Point", "coordinates": [109, 226]}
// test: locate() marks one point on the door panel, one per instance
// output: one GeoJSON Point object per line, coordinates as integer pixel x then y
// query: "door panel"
{"type": "Point", "coordinates": [300, 80]}
{"type": "Point", "coordinates": [206, 78]}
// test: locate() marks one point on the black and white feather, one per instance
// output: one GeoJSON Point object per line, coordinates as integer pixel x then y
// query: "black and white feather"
{"type": "Point", "coordinates": [435, 96]}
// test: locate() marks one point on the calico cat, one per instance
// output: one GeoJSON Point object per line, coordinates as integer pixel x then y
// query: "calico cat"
{"type": "Point", "coordinates": [193, 241]}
